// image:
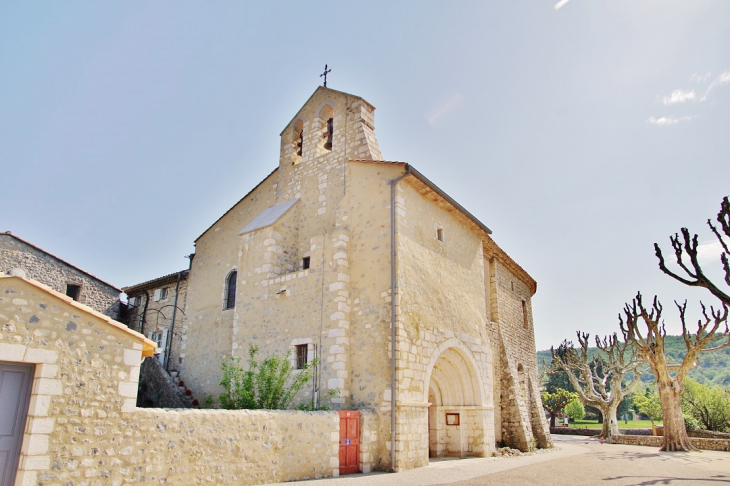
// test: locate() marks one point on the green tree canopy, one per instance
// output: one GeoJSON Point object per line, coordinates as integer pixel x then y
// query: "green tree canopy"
{"type": "Point", "coordinates": [709, 405]}
{"type": "Point", "coordinates": [649, 404]}
{"type": "Point", "coordinates": [575, 410]}
{"type": "Point", "coordinates": [555, 402]}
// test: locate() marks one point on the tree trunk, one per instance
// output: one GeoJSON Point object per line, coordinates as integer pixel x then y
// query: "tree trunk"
{"type": "Point", "coordinates": [552, 419]}
{"type": "Point", "coordinates": [675, 433]}
{"type": "Point", "coordinates": [610, 424]}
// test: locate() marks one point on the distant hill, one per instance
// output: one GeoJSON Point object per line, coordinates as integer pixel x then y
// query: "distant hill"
{"type": "Point", "coordinates": [713, 367]}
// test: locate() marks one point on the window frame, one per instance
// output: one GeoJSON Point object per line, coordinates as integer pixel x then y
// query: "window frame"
{"type": "Point", "coordinates": [229, 301]}
{"type": "Point", "coordinates": [301, 354]}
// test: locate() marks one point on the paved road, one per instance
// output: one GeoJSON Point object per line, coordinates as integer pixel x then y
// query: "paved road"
{"type": "Point", "coordinates": [576, 460]}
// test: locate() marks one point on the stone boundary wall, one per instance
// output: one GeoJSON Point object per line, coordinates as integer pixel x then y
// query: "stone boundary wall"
{"type": "Point", "coordinates": [708, 434]}
{"type": "Point", "coordinates": [222, 447]}
{"type": "Point", "coordinates": [572, 431]}
{"type": "Point", "coordinates": [592, 432]}
{"type": "Point", "coordinates": [657, 441]}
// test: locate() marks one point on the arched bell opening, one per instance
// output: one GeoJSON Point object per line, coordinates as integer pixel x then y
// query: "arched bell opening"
{"type": "Point", "coordinates": [327, 122]}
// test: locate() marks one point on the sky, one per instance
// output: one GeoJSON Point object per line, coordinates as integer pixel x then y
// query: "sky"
{"type": "Point", "coordinates": [580, 132]}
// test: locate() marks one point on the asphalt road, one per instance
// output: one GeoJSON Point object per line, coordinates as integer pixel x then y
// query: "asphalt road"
{"type": "Point", "coordinates": [575, 460]}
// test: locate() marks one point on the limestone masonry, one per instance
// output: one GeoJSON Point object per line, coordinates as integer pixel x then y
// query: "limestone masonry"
{"type": "Point", "coordinates": [304, 264]}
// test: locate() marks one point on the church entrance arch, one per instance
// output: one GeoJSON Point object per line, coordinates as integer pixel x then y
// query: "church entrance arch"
{"type": "Point", "coordinates": [456, 412]}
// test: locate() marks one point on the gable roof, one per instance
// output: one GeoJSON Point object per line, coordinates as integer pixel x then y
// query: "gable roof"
{"type": "Point", "coordinates": [489, 245]}
{"type": "Point", "coordinates": [269, 216]}
{"type": "Point", "coordinates": [155, 282]}
{"type": "Point", "coordinates": [322, 88]}
{"type": "Point", "coordinates": [8, 233]}
{"type": "Point", "coordinates": [148, 346]}
{"type": "Point", "coordinates": [237, 203]}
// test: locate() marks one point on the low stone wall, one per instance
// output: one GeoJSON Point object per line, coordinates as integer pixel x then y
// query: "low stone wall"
{"type": "Point", "coordinates": [593, 432]}
{"type": "Point", "coordinates": [225, 446]}
{"type": "Point", "coordinates": [656, 441]}
{"type": "Point", "coordinates": [708, 434]}
{"type": "Point", "coordinates": [572, 431]}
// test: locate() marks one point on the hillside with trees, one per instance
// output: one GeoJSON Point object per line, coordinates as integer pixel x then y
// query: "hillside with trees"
{"type": "Point", "coordinates": [712, 369]}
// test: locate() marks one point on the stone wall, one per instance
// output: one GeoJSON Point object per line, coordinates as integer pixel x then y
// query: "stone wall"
{"type": "Point", "coordinates": [55, 273]}
{"type": "Point", "coordinates": [83, 427]}
{"type": "Point", "coordinates": [523, 422]}
{"type": "Point", "coordinates": [657, 441]}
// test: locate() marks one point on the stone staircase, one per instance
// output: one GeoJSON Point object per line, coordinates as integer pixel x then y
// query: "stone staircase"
{"type": "Point", "coordinates": [157, 389]}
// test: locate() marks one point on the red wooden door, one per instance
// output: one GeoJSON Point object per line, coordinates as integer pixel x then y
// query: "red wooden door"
{"type": "Point", "coordinates": [349, 441]}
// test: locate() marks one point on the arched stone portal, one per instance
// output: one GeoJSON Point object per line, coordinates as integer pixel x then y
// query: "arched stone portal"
{"type": "Point", "coordinates": [457, 412]}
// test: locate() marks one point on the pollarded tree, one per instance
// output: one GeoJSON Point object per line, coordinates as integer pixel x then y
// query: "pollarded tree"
{"type": "Point", "coordinates": [670, 377]}
{"type": "Point", "coordinates": [599, 381]}
{"type": "Point", "coordinates": [555, 402]}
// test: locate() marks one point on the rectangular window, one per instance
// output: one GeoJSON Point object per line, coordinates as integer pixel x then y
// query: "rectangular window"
{"type": "Point", "coordinates": [440, 234]}
{"type": "Point", "coordinates": [133, 301]}
{"type": "Point", "coordinates": [301, 350]}
{"type": "Point", "coordinates": [305, 263]}
{"type": "Point", "coordinates": [73, 291]}
{"type": "Point", "coordinates": [524, 314]}
{"type": "Point", "coordinates": [160, 294]}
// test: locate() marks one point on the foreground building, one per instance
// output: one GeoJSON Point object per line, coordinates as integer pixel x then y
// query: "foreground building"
{"type": "Point", "coordinates": [351, 260]}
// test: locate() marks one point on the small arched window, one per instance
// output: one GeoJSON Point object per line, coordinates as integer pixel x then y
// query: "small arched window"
{"type": "Point", "coordinates": [230, 302]}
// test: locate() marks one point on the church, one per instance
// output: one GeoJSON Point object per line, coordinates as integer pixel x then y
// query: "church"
{"type": "Point", "coordinates": [414, 314]}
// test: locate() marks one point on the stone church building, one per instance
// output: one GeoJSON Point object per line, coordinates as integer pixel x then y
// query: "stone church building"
{"type": "Point", "coordinates": [344, 257]}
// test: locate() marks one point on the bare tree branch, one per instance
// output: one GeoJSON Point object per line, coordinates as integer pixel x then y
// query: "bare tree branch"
{"type": "Point", "coordinates": [688, 245]}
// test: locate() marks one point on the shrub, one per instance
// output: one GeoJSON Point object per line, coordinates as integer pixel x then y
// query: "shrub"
{"type": "Point", "coordinates": [267, 385]}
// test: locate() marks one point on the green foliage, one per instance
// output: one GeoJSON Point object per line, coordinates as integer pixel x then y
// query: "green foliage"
{"type": "Point", "coordinates": [575, 410]}
{"type": "Point", "coordinates": [209, 401]}
{"type": "Point", "coordinates": [556, 402]}
{"type": "Point", "coordinates": [266, 385]}
{"type": "Point", "coordinates": [708, 405]}
{"type": "Point", "coordinates": [691, 423]}
{"type": "Point", "coordinates": [649, 404]}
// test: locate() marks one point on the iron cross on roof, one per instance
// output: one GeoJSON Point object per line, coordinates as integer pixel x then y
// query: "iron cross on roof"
{"type": "Point", "coordinates": [325, 75]}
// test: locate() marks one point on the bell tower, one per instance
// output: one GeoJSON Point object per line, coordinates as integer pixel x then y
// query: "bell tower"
{"type": "Point", "coordinates": [331, 125]}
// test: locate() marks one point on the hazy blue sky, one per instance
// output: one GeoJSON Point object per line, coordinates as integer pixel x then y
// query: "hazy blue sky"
{"type": "Point", "coordinates": [580, 135]}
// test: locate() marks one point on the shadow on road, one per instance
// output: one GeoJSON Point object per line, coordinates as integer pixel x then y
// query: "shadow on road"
{"type": "Point", "coordinates": [668, 480]}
